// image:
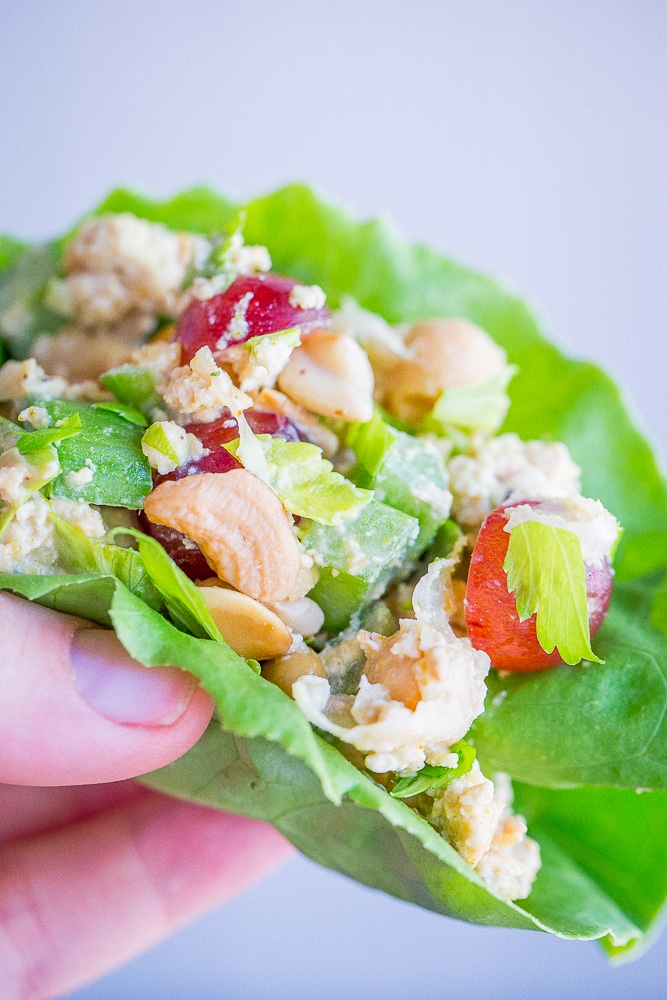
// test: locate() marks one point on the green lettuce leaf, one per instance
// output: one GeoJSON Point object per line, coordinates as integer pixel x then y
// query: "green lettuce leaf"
{"type": "Point", "coordinates": [545, 568]}
{"type": "Point", "coordinates": [593, 724]}
{"type": "Point", "coordinates": [80, 554]}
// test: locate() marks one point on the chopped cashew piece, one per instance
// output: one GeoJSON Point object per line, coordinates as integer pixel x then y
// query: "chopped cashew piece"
{"type": "Point", "coordinates": [239, 524]}
{"type": "Point", "coordinates": [248, 626]}
{"type": "Point", "coordinates": [330, 374]}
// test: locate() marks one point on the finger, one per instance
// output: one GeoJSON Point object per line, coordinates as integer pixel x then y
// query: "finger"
{"type": "Point", "coordinates": [76, 709]}
{"type": "Point", "coordinates": [26, 810]}
{"type": "Point", "coordinates": [74, 904]}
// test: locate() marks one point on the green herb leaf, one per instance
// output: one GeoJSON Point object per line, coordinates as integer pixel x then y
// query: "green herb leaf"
{"type": "Point", "coordinates": [125, 412]}
{"type": "Point", "coordinates": [430, 777]}
{"type": "Point", "coordinates": [545, 567]}
{"type": "Point", "coordinates": [33, 441]}
{"type": "Point", "coordinates": [184, 602]}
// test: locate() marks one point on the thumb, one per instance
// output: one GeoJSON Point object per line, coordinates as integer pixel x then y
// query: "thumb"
{"type": "Point", "coordinates": [76, 709]}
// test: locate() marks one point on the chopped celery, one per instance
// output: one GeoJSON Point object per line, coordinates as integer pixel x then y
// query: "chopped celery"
{"type": "Point", "coordinates": [406, 472]}
{"type": "Point", "coordinates": [359, 558]}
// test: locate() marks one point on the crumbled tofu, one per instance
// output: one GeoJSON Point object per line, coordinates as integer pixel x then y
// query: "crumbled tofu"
{"type": "Point", "coordinates": [239, 260]}
{"type": "Point", "coordinates": [449, 675]}
{"type": "Point", "coordinates": [29, 544]}
{"type": "Point", "coordinates": [237, 328]}
{"type": "Point", "coordinates": [79, 477]}
{"type": "Point", "coordinates": [118, 264]}
{"type": "Point", "coordinates": [186, 447]}
{"type": "Point", "coordinates": [19, 379]}
{"type": "Point", "coordinates": [307, 297]}
{"type": "Point", "coordinates": [19, 478]}
{"type": "Point", "coordinates": [511, 864]}
{"type": "Point", "coordinates": [506, 468]}
{"type": "Point", "coordinates": [201, 390]}
{"type": "Point", "coordinates": [480, 826]}
{"type": "Point", "coordinates": [80, 515]}
{"type": "Point", "coordinates": [596, 529]}
{"type": "Point", "coordinates": [161, 357]}
{"type": "Point", "coordinates": [39, 417]}
{"type": "Point", "coordinates": [257, 364]}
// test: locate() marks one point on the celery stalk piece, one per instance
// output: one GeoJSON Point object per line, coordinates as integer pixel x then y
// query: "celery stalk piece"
{"type": "Point", "coordinates": [359, 558]}
{"type": "Point", "coordinates": [406, 472]}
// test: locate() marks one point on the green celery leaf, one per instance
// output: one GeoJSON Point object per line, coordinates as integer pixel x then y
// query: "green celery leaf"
{"type": "Point", "coordinates": [306, 483]}
{"type": "Point", "coordinates": [125, 412]}
{"type": "Point", "coordinates": [431, 776]}
{"type": "Point", "coordinates": [545, 568]}
{"type": "Point", "coordinates": [37, 440]}
{"type": "Point", "coordinates": [156, 438]}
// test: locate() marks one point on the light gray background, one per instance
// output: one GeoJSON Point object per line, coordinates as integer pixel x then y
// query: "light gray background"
{"type": "Point", "coordinates": [528, 139]}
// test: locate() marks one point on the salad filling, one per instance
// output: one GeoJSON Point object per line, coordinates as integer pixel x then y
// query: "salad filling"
{"type": "Point", "coordinates": [338, 488]}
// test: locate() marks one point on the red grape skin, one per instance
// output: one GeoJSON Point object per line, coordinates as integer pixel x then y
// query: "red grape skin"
{"type": "Point", "coordinates": [206, 322]}
{"type": "Point", "coordinates": [185, 553]}
{"type": "Point", "coordinates": [491, 617]}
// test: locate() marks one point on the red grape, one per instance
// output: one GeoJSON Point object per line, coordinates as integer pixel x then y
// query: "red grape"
{"type": "Point", "coordinates": [492, 619]}
{"type": "Point", "coordinates": [267, 309]}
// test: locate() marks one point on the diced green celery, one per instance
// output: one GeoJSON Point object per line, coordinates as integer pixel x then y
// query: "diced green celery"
{"type": "Point", "coordinates": [406, 472]}
{"type": "Point", "coordinates": [133, 385]}
{"type": "Point", "coordinates": [359, 558]}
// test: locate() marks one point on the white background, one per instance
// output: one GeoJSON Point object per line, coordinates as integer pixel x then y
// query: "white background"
{"type": "Point", "coordinates": [528, 139]}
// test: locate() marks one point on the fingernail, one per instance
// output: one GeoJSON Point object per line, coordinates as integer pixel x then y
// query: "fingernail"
{"type": "Point", "coordinates": [120, 689]}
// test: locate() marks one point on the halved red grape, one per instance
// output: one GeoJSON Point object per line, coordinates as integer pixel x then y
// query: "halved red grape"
{"type": "Point", "coordinates": [492, 619]}
{"type": "Point", "coordinates": [259, 301]}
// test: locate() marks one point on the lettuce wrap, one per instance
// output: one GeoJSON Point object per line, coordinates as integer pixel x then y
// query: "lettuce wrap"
{"type": "Point", "coordinates": [585, 746]}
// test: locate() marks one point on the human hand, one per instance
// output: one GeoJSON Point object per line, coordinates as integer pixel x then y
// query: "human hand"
{"type": "Point", "coordinates": [94, 868]}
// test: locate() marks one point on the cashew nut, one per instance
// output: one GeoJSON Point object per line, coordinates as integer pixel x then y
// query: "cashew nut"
{"type": "Point", "coordinates": [443, 353]}
{"type": "Point", "coordinates": [250, 628]}
{"type": "Point", "coordinates": [284, 670]}
{"type": "Point", "coordinates": [330, 374]}
{"type": "Point", "coordinates": [239, 524]}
